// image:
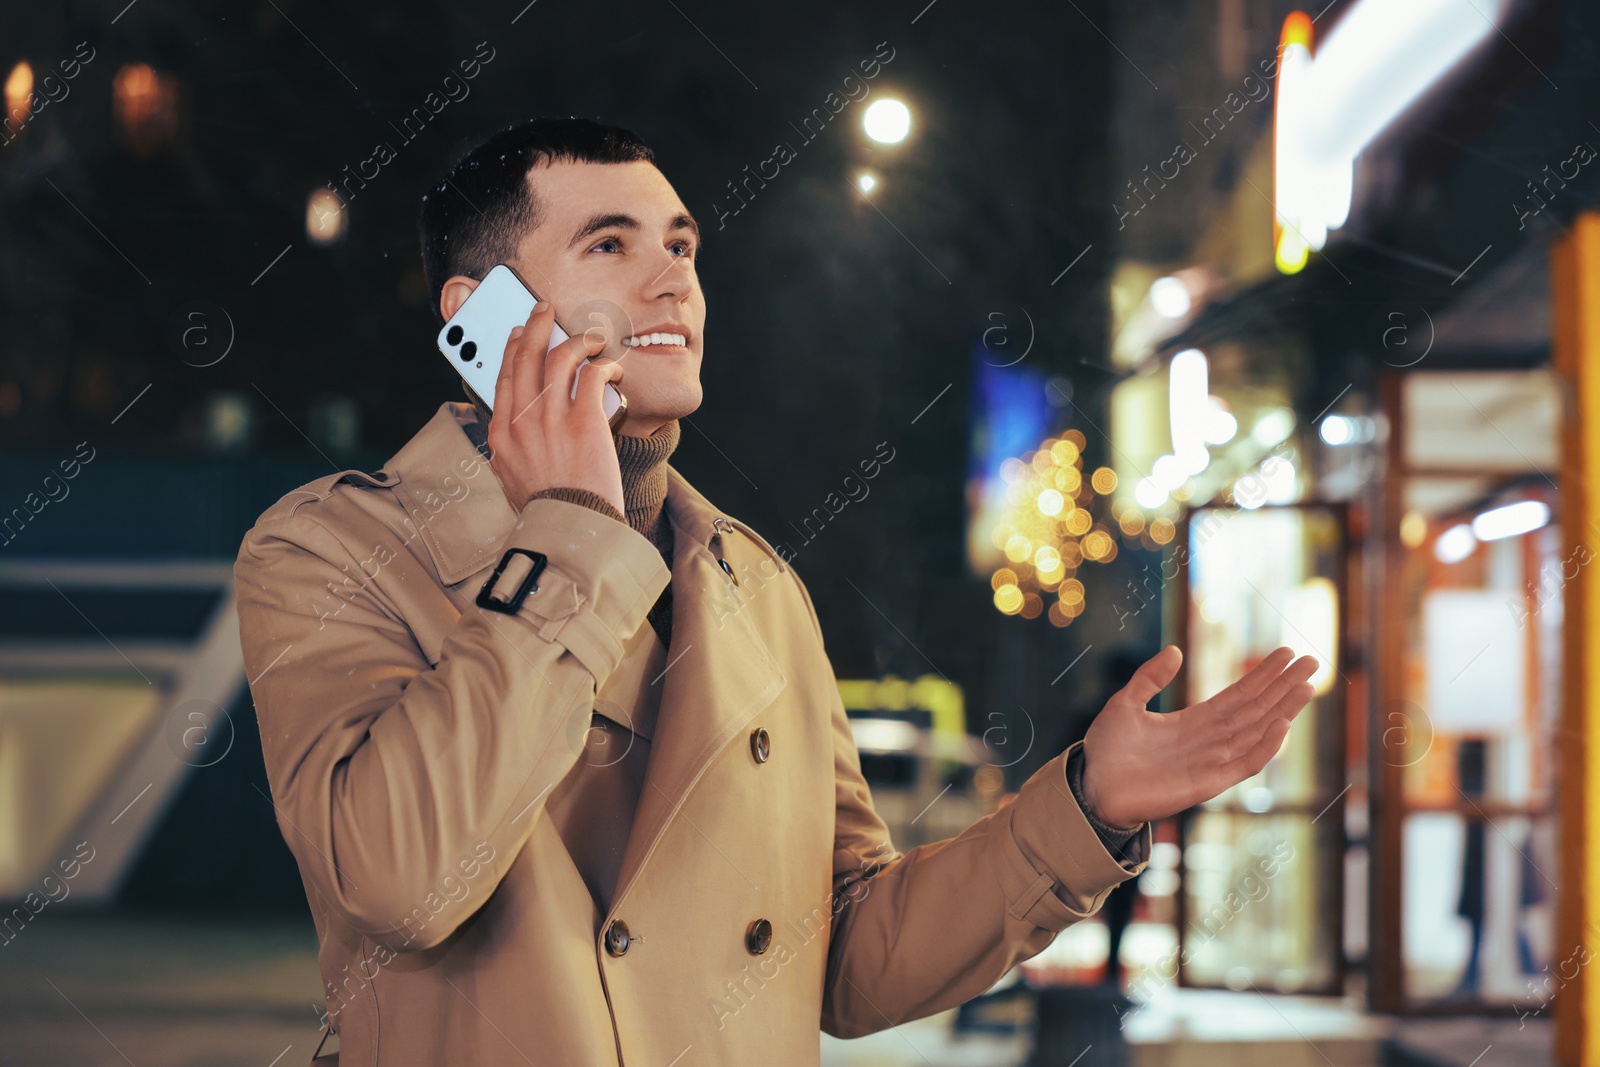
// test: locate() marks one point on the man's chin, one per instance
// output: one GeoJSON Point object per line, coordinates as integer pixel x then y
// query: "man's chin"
{"type": "Point", "coordinates": [652, 405]}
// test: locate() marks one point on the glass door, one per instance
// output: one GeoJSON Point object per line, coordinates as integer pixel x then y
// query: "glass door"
{"type": "Point", "coordinates": [1261, 895]}
{"type": "Point", "coordinates": [1471, 620]}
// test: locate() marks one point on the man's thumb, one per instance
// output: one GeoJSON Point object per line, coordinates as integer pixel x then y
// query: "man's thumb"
{"type": "Point", "coordinates": [1154, 675]}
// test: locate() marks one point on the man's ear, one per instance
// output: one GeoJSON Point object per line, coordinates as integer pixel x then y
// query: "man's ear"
{"type": "Point", "coordinates": [455, 292]}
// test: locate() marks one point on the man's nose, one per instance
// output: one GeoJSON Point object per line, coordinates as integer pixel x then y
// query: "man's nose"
{"type": "Point", "coordinates": [668, 279]}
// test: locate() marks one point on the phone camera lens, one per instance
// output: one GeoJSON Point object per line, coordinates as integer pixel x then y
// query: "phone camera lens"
{"type": "Point", "coordinates": [454, 336]}
{"type": "Point", "coordinates": [469, 350]}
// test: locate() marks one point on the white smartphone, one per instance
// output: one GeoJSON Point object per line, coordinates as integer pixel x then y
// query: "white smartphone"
{"type": "Point", "coordinates": [474, 340]}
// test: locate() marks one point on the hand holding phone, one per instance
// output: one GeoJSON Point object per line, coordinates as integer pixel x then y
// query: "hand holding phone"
{"type": "Point", "coordinates": [549, 427]}
{"type": "Point", "coordinates": [549, 431]}
{"type": "Point", "coordinates": [474, 340]}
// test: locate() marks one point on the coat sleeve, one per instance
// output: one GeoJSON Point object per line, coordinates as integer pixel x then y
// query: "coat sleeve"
{"type": "Point", "coordinates": [918, 932]}
{"type": "Point", "coordinates": [407, 790]}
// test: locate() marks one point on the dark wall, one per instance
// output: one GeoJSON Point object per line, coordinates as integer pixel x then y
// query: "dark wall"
{"type": "Point", "coordinates": [217, 849]}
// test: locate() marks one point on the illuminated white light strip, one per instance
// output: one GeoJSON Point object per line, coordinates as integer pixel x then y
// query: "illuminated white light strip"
{"type": "Point", "coordinates": [1511, 520]}
{"type": "Point", "coordinates": [1188, 405]}
{"type": "Point", "coordinates": [1379, 59]}
{"type": "Point", "coordinates": [1373, 65]}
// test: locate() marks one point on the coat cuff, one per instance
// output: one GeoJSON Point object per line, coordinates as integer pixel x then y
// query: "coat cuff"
{"type": "Point", "coordinates": [1053, 866]}
{"type": "Point", "coordinates": [600, 581]}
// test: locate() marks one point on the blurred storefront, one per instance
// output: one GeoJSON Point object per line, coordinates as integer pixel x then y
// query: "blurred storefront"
{"type": "Point", "coordinates": [1339, 385]}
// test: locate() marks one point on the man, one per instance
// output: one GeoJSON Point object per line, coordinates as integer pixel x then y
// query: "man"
{"type": "Point", "coordinates": [534, 829]}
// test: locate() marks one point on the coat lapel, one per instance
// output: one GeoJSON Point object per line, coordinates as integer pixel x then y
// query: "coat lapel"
{"type": "Point", "coordinates": [716, 679]}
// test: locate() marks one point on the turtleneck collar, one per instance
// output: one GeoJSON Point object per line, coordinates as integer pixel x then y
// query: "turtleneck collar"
{"type": "Point", "coordinates": [643, 462]}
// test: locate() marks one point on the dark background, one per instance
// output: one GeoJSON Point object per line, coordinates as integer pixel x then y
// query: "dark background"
{"type": "Point", "coordinates": [833, 322]}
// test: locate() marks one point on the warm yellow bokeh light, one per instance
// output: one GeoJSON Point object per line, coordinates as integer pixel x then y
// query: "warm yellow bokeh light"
{"type": "Point", "coordinates": [1049, 528]}
{"type": "Point", "coordinates": [325, 218]}
{"type": "Point", "coordinates": [1413, 529]}
{"type": "Point", "coordinates": [1008, 598]}
{"type": "Point", "coordinates": [19, 91]}
{"type": "Point", "coordinates": [1065, 452]}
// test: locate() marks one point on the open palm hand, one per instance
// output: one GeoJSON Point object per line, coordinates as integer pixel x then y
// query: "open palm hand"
{"type": "Point", "coordinates": [1141, 765]}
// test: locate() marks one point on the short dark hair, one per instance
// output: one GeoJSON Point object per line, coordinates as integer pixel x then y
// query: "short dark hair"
{"type": "Point", "coordinates": [485, 206]}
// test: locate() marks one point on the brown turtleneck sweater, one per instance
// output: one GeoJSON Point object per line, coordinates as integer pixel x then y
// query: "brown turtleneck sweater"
{"type": "Point", "coordinates": [643, 461]}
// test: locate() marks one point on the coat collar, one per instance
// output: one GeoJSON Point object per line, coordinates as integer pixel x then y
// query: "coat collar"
{"type": "Point", "coordinates": [453, 498]}
{"type": "Point", "coordinates": [462, 514]}
{"type": "Point", "coordinates": [719, 675]}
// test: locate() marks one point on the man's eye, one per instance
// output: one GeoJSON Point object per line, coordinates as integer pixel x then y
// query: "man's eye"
{"type": "Point", "coordinates": [615, 245]}
{"type": "Point", "coordinates": [684, 248]}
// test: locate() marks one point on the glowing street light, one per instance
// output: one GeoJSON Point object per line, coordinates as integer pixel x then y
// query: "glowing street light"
{"type": "Point", "coordinates": [887, 121]}
{"type": "Point", "coordinates": [325, 221]}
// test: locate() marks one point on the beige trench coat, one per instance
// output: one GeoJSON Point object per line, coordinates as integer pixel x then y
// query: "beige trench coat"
{"type": "Point", "coordinates": [416, 745]}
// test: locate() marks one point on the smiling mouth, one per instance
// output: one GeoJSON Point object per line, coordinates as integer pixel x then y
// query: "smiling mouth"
{"type": "Point", "coordinates": [656, 340]}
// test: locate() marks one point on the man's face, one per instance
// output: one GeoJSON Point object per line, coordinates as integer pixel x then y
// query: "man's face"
{"type": "Point", "coordinates": [615, 249]}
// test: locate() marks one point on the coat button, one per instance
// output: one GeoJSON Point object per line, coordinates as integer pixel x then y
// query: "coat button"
{"type": "Point", "coordinates": [758, 937]}
{"type": "Point", "coordinates": [617, 937]}
{"type": "Point", "coordinates": [727, 568]}
{"type": "Point", "coordinates": [760, 744]}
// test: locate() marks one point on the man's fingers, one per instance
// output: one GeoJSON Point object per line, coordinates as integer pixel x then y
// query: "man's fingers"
{"type": "Point", "coordinates": [1258, 755]}
{"type": "Point", "coordinates": [1242, 714]}
{"type": "Point", "coordinates": [561, 365]}
{"type": "Point", "coordinates": [525, 353]}
{"type": "Point", "coordinates": [1254, 680]}
{"type": "Point", "coordinates": [591, 381]}
{"type": "Point", "coordinates": [1275, 723]}
{"type": "Point", "coordinates": [1154, 675]}
{"type": "Point", "coordinates": [505, 391]}
{"type": "Point", "coordinates": [1291, 679]}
